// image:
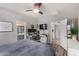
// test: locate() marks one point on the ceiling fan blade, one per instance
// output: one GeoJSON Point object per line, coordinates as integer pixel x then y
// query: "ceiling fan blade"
{"type": "Point", "coordinates": [28, 10]}
{"type": "Point", "coordinates": [41, 12]}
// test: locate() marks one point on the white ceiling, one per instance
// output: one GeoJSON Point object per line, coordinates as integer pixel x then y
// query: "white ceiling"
{"type": "Point", "coordinates": [52, 10]}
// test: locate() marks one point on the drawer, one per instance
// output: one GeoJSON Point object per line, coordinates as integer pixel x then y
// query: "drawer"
{"type": "Point", "coordinates": [73, 52]}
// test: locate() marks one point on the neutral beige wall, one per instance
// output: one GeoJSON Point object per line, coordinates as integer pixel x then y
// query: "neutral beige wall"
{"type": "Point", "coordinates": [6, 15]}
{"type": "Point", "coordinates": [7, 37]}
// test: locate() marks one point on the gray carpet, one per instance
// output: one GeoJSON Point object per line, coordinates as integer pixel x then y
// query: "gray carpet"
{"type": "Point", "coordinates": [26, 48]}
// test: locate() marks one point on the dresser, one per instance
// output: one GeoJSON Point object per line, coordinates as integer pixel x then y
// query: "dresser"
{"type": "Point", "coordinates": [73, 47]}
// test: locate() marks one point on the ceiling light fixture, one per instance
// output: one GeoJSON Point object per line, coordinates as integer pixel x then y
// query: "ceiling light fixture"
{"type": "Point", "coordinates": [36, 10]}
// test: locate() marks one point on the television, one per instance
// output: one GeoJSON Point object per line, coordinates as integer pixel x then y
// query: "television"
{"type": "Point", "coordinates": [31, 30]}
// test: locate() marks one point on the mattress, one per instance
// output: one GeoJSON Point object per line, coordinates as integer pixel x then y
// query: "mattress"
{"type": "Point", "coordinates": [26, 48]}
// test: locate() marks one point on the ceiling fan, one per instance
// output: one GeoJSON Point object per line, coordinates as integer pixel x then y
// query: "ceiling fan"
{"type": "Point", "coordinates": [36, 9]}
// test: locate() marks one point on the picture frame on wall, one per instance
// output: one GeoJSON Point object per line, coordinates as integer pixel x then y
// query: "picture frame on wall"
{"type": "Point", "coordinates": [6, 26]}
{"type": "Point", "coordinates": [43, 26]}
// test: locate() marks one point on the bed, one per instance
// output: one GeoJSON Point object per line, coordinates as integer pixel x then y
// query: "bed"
{"type": "Point", "coordinates": [26, 48]}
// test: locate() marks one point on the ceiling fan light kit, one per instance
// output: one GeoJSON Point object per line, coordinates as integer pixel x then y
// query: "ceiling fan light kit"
{"type": "Point", "coordinates": [36, 10]}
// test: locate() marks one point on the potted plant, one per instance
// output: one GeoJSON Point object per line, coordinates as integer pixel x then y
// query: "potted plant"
{"type": "Point", "coordinates": [74, 33]}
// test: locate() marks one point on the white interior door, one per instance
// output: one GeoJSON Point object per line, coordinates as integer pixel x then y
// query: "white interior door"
{"type": "Point", "coordinates": [63, 33]}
